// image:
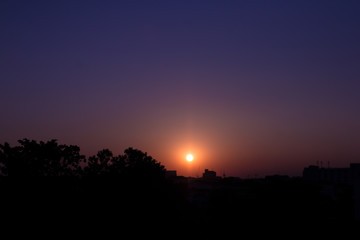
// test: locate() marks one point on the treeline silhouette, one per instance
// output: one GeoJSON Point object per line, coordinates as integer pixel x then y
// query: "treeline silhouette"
{"type": "Point", "coordinates": [51, 180]}
{"type": "Point", "coordinates": [36, 159]}
{"type": "Point", "coordinates": [48, 180]}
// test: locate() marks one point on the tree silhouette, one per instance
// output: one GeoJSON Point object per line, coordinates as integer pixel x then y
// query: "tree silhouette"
{"type": "Point", "coordinates": [142, 166]}
{"type": "Point", "coordinates": [40, 159]}
{"type": "Point", "coordinates": [99, 164]}
{"type": "Point", "coordinates": [32, 158]}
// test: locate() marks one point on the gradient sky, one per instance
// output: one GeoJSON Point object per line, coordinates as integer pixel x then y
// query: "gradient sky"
{"type": "Point", "coordinates": [249, 87]}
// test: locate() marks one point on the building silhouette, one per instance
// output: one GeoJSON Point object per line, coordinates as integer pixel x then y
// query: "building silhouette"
{"type": "Point", "coordinates": [209, 175]}
{"type": "Point", "coordinates": [333, 175]}
{"type": "Point", "coordinates": [329, 177]}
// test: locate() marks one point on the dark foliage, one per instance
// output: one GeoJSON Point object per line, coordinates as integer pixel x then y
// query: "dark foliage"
{"type": "Point", "coordinates": [37, 159]}
{"type": "Point", "coordinates": [52, 181]}
{"type": "Point", "coordinates": [33, 159]}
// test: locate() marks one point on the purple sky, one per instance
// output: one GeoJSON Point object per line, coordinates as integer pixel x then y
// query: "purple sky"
{"type": "Point", "coordinates": [248, 87]}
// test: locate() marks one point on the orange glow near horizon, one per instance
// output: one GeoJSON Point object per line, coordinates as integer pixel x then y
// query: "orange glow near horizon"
{"type": "Point", "coordinates": [188, 159]}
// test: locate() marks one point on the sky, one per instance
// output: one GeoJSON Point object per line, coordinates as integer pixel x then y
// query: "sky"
{"type": "Point", "coordinates": [250, 88]}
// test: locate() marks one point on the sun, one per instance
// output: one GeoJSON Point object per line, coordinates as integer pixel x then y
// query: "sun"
{"type": "Point", "coordinates": [189, 157]}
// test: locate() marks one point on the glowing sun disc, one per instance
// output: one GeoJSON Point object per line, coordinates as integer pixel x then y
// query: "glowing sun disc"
{"type": "Point", "coordinates": [189, 157]}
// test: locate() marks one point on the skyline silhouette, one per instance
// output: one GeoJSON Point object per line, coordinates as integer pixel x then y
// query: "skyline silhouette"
{"type": "Point", "coordinates": [67, 160]}
{"type": "Point", "coordinates": [51, 178]}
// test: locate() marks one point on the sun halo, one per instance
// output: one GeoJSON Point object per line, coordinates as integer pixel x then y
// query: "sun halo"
{"type": "Point", "coordinates": [189, 157]}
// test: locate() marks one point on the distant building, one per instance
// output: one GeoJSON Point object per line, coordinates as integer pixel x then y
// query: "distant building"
{"type": "Point", "coordinates": [349, 176]}
{"type": "Point", "coordinates": [209, 175]}
{"type": "Point", "coordinates": [332, 175]}
{"type": "Point", "coordinates": [355, 177]}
